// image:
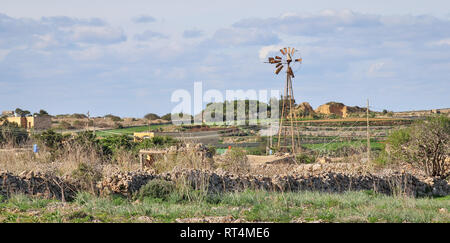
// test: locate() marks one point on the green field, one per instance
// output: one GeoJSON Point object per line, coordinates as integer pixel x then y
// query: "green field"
{"type": "Point", "coordinates": [127, 130]}
{"type": "Point", "coordinates": [251, 206]}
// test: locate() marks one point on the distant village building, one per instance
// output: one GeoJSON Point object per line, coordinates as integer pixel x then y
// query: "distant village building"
{"type": "Point", "coordinates": [28, 122]}
{"type": "Point", "coordinates": [7, 113]}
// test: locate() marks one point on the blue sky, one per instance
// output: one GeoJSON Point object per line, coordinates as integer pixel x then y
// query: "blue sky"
{"type": "Point", "coordinates": [126, 58]}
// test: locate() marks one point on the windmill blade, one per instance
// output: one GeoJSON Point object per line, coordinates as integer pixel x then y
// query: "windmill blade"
{"type": "Point", "coordinates": [278, 57]}
{"type": "Point", "coordinates": [271, 59]}
{"type": "Point", "coordinates": [299, 60]}
{"type": "Point", "coordinates": [279, 69]}
{"type": "Point", "coordinates": [285, 51]}
{"type": "Point", "coordinates": [282, 51]}
{"type": "Point", "coordinates": [292, 51]}
{"type": "Point", "coordinates": [289, 50]}
{"type": "Point", "coordinates": [279, 64]}
{"type": "Point", "coordinates": [289, 59]}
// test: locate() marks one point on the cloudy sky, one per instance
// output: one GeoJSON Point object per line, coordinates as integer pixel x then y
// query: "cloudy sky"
{"type": "Point", "coordinates": [127, 57]}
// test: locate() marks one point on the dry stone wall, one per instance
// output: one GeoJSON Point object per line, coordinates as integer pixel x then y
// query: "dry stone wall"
{"type": "Point", "coordinates": [213, 181]}
{"type": "Point", "coordinates": [221, 181]}
{"type": "Point", "coordinates": [38, 184]}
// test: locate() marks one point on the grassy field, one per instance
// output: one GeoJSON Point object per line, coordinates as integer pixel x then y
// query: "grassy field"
{"type": "Point", "coordinates": [127, 130]}
{"type": "Point", "coordinates": [251, 206]}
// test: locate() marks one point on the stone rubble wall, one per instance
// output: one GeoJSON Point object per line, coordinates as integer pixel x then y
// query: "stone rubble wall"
{"type": "Point", "coordinates": [128, 183]}
{"type": "Point", "coordinates": [38, 184]}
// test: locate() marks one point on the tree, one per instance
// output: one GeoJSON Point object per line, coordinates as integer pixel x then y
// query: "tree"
{"type": "Point", "coordinates": [167, 117]}
{"type": "Point", "coordinates": [21, 112]}
{"type": "Point", "coordinates": [151, 116]}
{"type": "Point", "coordinates": [425, 143]}
{"type": "Point", "coordinates": [113, 117]}
{"type": "Point", "coordinates": [43, 113]}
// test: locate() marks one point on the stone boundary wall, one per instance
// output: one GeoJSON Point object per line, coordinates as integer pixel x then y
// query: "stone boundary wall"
{"type": "Point", "coordinates": [38, 184]}
{"type": "Point", "coordinates": [128, 183]}
{"type": "Point", "coordinates": [394, 183]}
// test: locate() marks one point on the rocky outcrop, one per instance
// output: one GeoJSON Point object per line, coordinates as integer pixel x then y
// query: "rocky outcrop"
{"type": "Point", "coordinates": [303, 110]}
{"type": "Point", "coordinates": [338, 109]}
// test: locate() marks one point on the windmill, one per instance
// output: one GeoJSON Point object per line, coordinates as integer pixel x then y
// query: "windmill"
{"type": "Point", "coordinates": [287, 60]}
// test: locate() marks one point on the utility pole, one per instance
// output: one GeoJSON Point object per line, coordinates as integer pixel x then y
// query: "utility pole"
{"type": "Point", "coordinates": [89, 118]}
{"type": "Point", "coordinates": [368, 133]}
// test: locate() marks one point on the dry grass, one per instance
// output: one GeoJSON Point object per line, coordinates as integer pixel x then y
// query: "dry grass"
{"type": "Point", "coordinates": [65, 161]}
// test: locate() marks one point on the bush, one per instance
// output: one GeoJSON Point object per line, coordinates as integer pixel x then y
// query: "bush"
{"type": "Point", "coordinates": [236, 161]}
{"type": "Point", "coordinates": [65, 125]}
{"type": "Point", "coordinates": [51, 140]}
{"type": "Point", "coordinates": [396, 142]}
{"type": "Point", "coordinates": [425, 143]}
{"type": "Point", "coordinates": [112, 143]}
{"type": "Point", "coordinates": [156, 188]}
{"type": "Point", "coordinates": [151, 116]}
{"type": "Point", "coordinates": [12, 134]}
{"type": "Point", "coordinates": [118, 125]}
{"type": "Point", "coordinates": [113, 118]}
{"type": "Point", "coordinates": [79, 124]}
{"type": "Point", "coordinates": [87, 175]}
{"type": "Point", "coordinates": [78, 116]}
{"type": "Point", "coordinates": [156, 142]}
{"type": "Point", "coordinates": [167, 117]}
{"type": "Point", "coordinates": [305, 159]}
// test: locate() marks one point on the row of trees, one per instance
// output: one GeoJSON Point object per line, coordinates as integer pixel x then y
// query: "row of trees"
{"type": "Point", "coordinates": [21, 112]}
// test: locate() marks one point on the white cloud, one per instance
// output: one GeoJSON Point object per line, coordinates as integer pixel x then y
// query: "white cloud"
{"type": "Point", "coordinates": [264, 51]}
{"type": "Point", "coordinates": [243, 37]}
{"type": "Point", "coordinates": [443, 42]}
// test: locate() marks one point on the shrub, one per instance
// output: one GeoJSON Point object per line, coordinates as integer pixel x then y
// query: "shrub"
{"type": "Point", "coordinates": [157, 141]}
{"type": "Point", "coordinates": [12, 134]}
{"type": "Point", "coordinates": [236, 161]}
{"type": "Point", "coordinates": [87, 175]}
{"type": "Point", "coordinates": [112, 143]}
{"type": "Point", "coordinates": [167, 117]}
{"type": "Point", "coordinates": [79, 124]}
{"type": "Point", "coordinates": [78, 116]}
{"type": "Point", "coordinates": [118, 125]}
{"type": "Point", "coordinates": [50, 140]}
{"type": "Point", "coordinates": [156, 188]}
{"type": "Point", "coordinates": [151, 116]}
{"type": "Point", "coordinates": [65, 125]}
{"type": "Point", "coordinates": [429, 145]}
{"type": "Point", "coordinates": [113, 118]}
{"type": "Point", "coordinates": [305, 159]}
{"type": "Point", "coordinates": [425, 143]}
{"type": "Point", "coordinates": [396, 142]}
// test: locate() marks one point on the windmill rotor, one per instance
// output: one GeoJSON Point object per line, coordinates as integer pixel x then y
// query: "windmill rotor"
{"type": "Point", "coordinates": [290, 57]}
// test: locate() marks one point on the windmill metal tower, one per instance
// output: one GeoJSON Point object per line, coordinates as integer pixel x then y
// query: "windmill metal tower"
{"type": "Point", "coordinates": [287, 134]}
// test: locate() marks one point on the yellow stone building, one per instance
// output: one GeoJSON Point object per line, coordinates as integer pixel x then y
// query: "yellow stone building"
{"type": "Point", "coordinates": [31, 122]}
